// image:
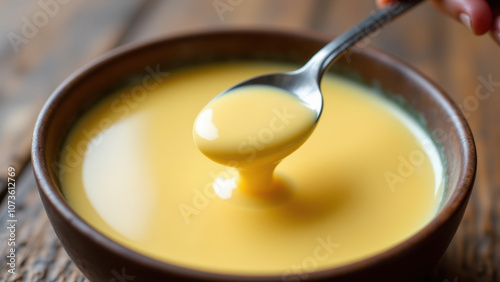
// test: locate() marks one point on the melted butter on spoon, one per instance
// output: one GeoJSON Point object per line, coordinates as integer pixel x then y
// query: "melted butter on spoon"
{"type": "Point", "coordinates": [241, 126]}
{"type": "Point", "coordinates": [252, 129]}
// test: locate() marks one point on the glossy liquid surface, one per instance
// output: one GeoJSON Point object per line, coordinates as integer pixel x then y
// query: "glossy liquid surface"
{"type": "Point", "coordinates": [365, 180]}
{"type": "Point", "coordinates": [252, 128]}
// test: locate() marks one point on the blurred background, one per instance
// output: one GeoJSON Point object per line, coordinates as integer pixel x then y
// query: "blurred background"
{"type": "Point", "coordinates": [43, 41]}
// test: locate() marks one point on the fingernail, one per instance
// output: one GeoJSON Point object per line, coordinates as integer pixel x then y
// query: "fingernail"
{"type": "Point", "coordinates": [495, 33]}
{"type": "Point", "coordinates": [465, 19]}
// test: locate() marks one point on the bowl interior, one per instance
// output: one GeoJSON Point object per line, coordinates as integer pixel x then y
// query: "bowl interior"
{"type": "Point", "coordinates": [75, 96]}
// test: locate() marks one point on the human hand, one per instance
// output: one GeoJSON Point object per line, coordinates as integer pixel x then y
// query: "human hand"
{"type": "Point", "coordinates": [479, 16]}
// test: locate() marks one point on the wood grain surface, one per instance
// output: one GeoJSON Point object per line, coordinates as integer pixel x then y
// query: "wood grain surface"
{"type": "Point", "coordinates": [66, 34]}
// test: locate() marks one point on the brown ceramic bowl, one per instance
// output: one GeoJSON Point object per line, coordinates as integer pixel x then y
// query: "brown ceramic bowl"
{"type": "Point", "coordinates": [101, 259]}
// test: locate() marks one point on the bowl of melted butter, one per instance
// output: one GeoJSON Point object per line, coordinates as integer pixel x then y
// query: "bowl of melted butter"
{"type": "Point", "coordinates": [140, 174]}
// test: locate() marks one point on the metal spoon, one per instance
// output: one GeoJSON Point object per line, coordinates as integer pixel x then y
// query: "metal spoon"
{"type": "Point", "coordinates": [304, 82]}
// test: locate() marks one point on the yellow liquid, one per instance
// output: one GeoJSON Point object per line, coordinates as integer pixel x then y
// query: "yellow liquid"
{"type": "Point", "coordinates": [365, 180]}
{"type": "Point", "coordinates": [253, 128]}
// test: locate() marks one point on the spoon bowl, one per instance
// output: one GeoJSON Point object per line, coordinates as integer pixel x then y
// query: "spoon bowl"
{"type": "Point", "coordinates": [298, 83]}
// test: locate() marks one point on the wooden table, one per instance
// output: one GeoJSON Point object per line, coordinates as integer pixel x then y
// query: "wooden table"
{"type": "Point", "coordinates": [41, 44]}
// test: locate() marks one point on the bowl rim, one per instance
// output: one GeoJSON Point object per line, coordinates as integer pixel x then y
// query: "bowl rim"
{"type": "Point", "coordinates": [47, 187]}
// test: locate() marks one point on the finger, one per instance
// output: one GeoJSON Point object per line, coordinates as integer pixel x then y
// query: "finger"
{"type": "Point", "coordinates": [475, 15]}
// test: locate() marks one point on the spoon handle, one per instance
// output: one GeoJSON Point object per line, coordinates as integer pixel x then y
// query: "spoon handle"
{"type": "Point", "coordinates": [320, 62]}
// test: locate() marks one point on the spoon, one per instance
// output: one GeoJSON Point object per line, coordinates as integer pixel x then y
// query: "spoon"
{"type": "Point", "coordinates": [304, 83]}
